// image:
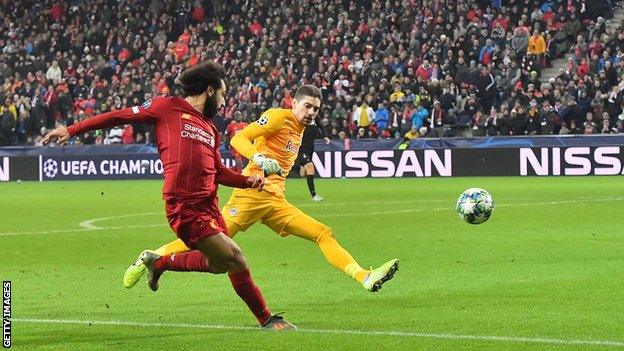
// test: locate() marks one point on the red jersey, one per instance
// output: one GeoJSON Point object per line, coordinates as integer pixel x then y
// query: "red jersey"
{"type": "Point", "coordinates": [233, 128]}
{"type": "Point", "coordinates": [188, 145]}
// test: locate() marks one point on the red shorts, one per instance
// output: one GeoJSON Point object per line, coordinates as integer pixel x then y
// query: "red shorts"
{"type": "Point", "coordinates": [193, 220]}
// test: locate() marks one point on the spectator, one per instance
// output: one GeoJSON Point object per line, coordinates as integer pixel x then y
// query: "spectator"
{"type": "Point", "coordinates": [518, 121]}
{"type": "Point", "coordinates": [486, 52]}
{"type": "Point", "coordinates": [548, 119]}
{"type": "Point", "coordinates": [589, 125]}
{"type": "Point", "coordinates": [363, 115]}
{"type": "Point", "coordinates": [339, 113]}
{"type": "Point", "coordinates": [479, 124]}
{"type": "Point", "coordinates": [534, 118]}
{"type": "Point", "coordinates": [405, 143]}
{"type": "Point", "coordinates": [412, 134]}
{"type": "Point", "coordinates": [114, 136]}
{"type": "Point", "coordinates": [397, 95]}
{"type": "Point", "coordinates": [491, 123]}
{"type": "Point", "coordinates": [440, 123]}
{"type": "Point", "coordinates": [382, 116]}
{"type": "Point", "coordinates": [395, 123]}
{"type": "Point", "coordinates": [54, 73]}
{"type": "Point", "coordinates": [419, 117]}
{"type": "Point", "coordinates": [537, 47]}
{"type": "Point", "coordinates": [7, 124]}
{"type": "Point", "coordinates": [127, 135]}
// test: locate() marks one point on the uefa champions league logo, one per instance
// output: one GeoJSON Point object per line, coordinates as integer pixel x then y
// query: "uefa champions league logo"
{"type": "Point", "coordinates": [50, 168]}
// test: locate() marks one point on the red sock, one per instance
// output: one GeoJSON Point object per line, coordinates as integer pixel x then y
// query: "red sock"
{"type": "Point", "coordinates": [193, 261]}
{"type": "Point", "coordinates": [251, 294]}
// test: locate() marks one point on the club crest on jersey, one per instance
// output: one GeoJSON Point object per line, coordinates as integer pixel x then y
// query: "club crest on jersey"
{"type": "Point", "coordinates": [147, 104]}
{"type": "Point", "coordinates": [263, 120]}
{"type": "Point", "coordinates": [213, 224]}
{"type": "Point", "coordinates": [233, 211]}
{"type": "Point", "coordinates": [290, 146]}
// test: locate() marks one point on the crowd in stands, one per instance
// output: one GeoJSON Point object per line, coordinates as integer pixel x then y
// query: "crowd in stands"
{"type": "Point", "coordinates": [387, 69]}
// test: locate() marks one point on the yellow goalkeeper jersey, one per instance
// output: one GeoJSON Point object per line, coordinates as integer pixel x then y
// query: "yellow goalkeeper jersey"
{"type": "Point", "coordinates": [277, 135]}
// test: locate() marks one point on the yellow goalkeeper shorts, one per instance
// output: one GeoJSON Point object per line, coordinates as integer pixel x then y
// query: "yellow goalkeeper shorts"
{"type": "Point", "coordinates": [248, 206]}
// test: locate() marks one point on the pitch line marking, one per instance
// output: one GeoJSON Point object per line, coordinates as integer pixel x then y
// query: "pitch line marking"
{"type": "Point", "coordinates": [522, 204]}
{"type": "Point", "coordinates": [326, 204]}
{"type": "Point", "coordinates": [423, 335]}
{"type": "Point", "coordinates": [328, 215]}
{"type": "Point", "coordinates": [88, 224]}
{"type": "Point", "coordinates": [83, 229]}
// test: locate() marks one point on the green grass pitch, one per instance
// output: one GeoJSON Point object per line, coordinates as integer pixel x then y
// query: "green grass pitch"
{"type": "Point", "coordinates": [544, 273]}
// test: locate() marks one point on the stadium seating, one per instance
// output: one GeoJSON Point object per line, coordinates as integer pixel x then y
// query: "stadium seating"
{"type": "Point", "coordinates": [474, 66]}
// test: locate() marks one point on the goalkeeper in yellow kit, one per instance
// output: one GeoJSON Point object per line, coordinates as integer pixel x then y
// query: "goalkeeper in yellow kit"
{"type": "Point", "coordinates": [271, 144]}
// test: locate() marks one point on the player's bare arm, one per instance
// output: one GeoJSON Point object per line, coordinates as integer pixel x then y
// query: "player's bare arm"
{"type": "Point", "coordinates": [59, 135]}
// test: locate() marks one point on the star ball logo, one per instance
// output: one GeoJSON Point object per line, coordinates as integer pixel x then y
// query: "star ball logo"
{"type": "Point", "coordinates": [50, 168]}
{"type": "Point", "coordinates": [263, 120]}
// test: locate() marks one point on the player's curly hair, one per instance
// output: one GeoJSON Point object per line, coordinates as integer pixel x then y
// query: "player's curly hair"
{"type": "Point", "coordinates": [197, 79]}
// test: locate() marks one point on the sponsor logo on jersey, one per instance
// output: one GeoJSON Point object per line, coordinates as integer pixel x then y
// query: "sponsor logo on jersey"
{"type": "Point", "coordinates": [290, 146]}
{"type": "Point", "coordinates": [192, 132]}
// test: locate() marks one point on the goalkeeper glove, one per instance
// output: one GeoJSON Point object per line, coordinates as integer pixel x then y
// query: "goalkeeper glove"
{"type": "Point", "coordinates": [268, 165]}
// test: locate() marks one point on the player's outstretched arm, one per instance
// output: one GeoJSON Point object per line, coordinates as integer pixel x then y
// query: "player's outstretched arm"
{"type": "Point", "coordinates": [228, 177]}
{"type": "Point", "coordinates": [243, 142]}
{"type": "Point", "coordinates": [136, 114]}
{"type": "Point", "coordinates": [235, 180]}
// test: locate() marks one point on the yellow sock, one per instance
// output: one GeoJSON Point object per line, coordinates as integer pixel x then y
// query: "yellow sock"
{"type": "Point", "coordinates": [341, 259]}
{"type": "Point", "coordinates": [176, 246]}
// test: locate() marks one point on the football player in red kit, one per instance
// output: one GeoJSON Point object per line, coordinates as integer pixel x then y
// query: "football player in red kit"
{"type": "Point", "coordinates": [188, 143]}
{"type": "Point", "coordinates": [231, 130]}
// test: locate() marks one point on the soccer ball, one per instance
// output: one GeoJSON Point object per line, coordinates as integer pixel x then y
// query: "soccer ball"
{"type": "Point", "coordinates": [475, 206]}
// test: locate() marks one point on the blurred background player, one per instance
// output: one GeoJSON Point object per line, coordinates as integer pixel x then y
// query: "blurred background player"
{"type": "Point", "coordinates": [188, 143]}
{"type": "Point", "coordinates": [231, 130]}
{"type": "Point", "coordinates": [276, 135]}
{"type": "Point", "coordinates": [304, 159]}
